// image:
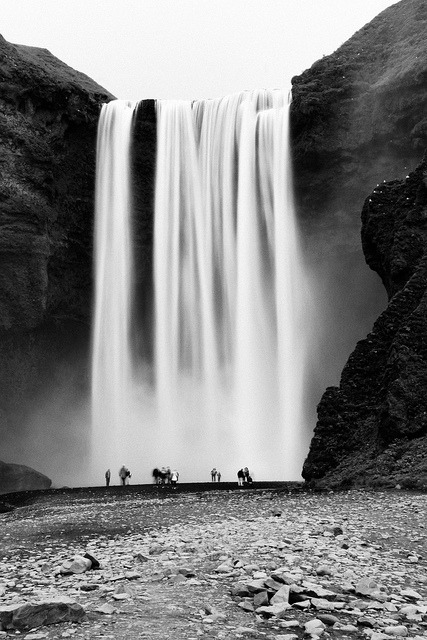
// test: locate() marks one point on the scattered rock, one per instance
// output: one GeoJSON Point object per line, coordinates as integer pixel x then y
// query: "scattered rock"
{"type": "Point", "coordinates": [32, 615]}
{"type": "Point", "coordinates": [314, 627]}
{"type": "Point", "coordinates": [79, 564]}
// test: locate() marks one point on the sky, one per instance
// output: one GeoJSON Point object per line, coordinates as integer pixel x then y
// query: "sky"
{"type": "Point", "coordinates": [186, 49]}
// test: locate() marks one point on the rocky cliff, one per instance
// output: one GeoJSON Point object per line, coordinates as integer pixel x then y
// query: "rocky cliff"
{"type": "Point", "coordinates": [48, 123]}
{"type": "Point", "coordinates": [372, 429]}
{"type": "Point", "coordinates": [358, 118]}
{"type": "Point", "coordinates": [18, 477]}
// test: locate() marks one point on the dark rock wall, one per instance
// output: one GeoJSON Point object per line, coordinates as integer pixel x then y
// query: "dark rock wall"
{"type": "Point", "coordinates": [373, 427]}
{"type": "Point", "coordinates": [48, 124]}
{"type": "Point", "coordinates": [358, 118]}
{"type": "Point", "coordinates": [17, 477]}
{"type": "Point", "coordinates": [143, 177]}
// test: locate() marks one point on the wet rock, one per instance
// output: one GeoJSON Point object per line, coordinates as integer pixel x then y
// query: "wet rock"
{"type": "Point", "coordinates": [346, 628]}
{"type": "Point", "coordinates": [279, 609]}
{"type": "Point", "coordinates": [398, 630]}
{"type": "Point", "coordinates": [94, 562]}
{"type": "Point", "coordinates": [254, 586]}
{"type": "Point", "coordinates": [78, 564]}
{"type": "Point", "coordinates": [366, 622]}
{"type": "Point", "coordinates": [261, 599]}
{"type": "Point", "coordinates": [411, 594]}
{"type": "Point", "coordinates": [324, 570]}
{"type": "Point", "coordinates": [240, 590]}
{"type": "Point", "coordinates": [367, 587]}
{"type": "Point", "coordinates": [273, 584]}
{"type": "Point", "coordinates": [327, 619]}
{"type": "Point", "coordinates": [187, 572]}
{"type": "Point", "coordinates": [140, 557]}
{"type": "Point", "coordinates": [89, 587]}
{"type": "Point", "coordinates": [377, 635]}
{"type": "Point", "coordinates": [335, 530]}
{"type": "Point", "coordinates": [282, 595]}
{"type": "Point", "coordinates": [322, 604]}
{"type": "Point", "coordinates": [106, 609]}
{"type": "Point", "coordinates": [314, 627]}
{"type": "Point", "coordinates": [32, 615]}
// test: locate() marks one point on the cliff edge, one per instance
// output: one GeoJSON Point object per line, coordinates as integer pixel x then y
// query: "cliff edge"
{"type": "Point", "coordinates": [372, 429]}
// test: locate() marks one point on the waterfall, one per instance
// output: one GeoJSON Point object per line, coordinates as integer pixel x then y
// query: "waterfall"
{"type": "Point", "coordinates": [111, 353]}
{"type": "Point", "coordinates": [231, 295]}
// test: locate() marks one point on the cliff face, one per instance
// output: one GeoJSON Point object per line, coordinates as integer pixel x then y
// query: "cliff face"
{"type": "Point", "coordinates": [358, 118]}
{"type": "Point", "coordinates": [373, 427]}
{"type": "Point", "coordinates": [359, 115]}
{"type": "Point", "coordinates": [48, 123]}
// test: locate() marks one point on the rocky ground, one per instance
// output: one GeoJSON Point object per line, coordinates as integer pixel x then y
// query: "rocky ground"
{"type": "Point", "coordinates": [226, 563]}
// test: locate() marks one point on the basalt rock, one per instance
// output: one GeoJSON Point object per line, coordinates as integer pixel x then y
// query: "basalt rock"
{"type": "Point", "coordinates": [18, 477]}
{"type": "Point", "coordinates": [358, 118]}
{"type": "Point", "coordinates": [48, 124]}
{"type": "Point", "coordinates": [373, 428]}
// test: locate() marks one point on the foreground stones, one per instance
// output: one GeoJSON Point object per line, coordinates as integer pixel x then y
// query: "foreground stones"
{"type": "Point", "coordinates": [31, 615]}
{"type": "Point", "coordinates": [231, 569]}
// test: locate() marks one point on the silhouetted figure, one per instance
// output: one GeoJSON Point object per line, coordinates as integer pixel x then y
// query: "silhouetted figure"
{"type": "Point", "coordinates": [156, 476]}
{"type": "Point", "coordinates": [213, 474]}
{"type": "Point", "coordinates": [174, 477]}
{"type": "Point", "coordinates": [240, 477]}
{"type": "Point", "coordinates": [246, 475]}
{"type": "Point", "coordinates": [163, 475]}
{"type": "Point", "coordinates": [218, 476]}
{"type": "Point", "coordinates": [107, 477]}
{"type": "Point", "coordinates": [124, 475]}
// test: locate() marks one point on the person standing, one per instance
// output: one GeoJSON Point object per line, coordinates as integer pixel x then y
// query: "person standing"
{"type": "Point", "coordinates": [213, 474]}
{"type": "Point", "coordinates": [123, 474]}
{"type": "Point", "coordinates": [218, 476]}
{"type": "Point", "coordinates": [240, 477]}
{"type": "Point", "coordinates": [174, 477]}
{"type": "Point", "coordinates": [107, 477]}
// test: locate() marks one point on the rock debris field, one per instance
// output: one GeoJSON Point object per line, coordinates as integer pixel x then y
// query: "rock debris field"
{"type": "Point", "coordinates": [130, 562]}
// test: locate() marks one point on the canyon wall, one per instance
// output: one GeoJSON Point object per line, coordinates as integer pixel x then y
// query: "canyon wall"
{"type": "Point", "coordinates": [372, 429]}
{"type": "Point", "coordinates": [48, 123]}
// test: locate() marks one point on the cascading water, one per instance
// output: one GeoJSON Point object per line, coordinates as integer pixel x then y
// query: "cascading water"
{"type": "Point", "coordinates": [231, 295]}
{"type": "Point", "coordinates": [111, 358]}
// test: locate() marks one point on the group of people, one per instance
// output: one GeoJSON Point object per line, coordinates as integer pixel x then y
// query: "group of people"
{"type": "Point", "coordinates": [165, 476]}
{"type": "Point", "coordinates": [215, 475]}
{"type": "Point", "coordinates": [243, 477]}
{"type": "Point", "coordinates": [124, 475]}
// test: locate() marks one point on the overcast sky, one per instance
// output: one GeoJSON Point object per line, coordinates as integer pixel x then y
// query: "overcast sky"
{"type": "Point", "coordinates": [186, 49]}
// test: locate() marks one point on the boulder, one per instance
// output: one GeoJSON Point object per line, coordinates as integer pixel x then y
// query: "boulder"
{"type": "Point", "coordinates": [78, 564]}
{"type": "Point", "coordinates": [32, 615]}
{"type": "Point", "coordinates": [18, 477]}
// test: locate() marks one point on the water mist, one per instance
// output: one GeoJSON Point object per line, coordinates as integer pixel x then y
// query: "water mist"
{"type": "Point", "coordinates": [231, 296]}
